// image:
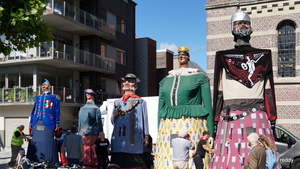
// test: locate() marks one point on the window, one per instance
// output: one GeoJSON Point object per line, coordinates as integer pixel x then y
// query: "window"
{"type": "Point", "coordinates": [121, 25]}
{"type": "Point", "coordinates": [286, 49]}
{"type": "Point", "coordinates": [121, 57]}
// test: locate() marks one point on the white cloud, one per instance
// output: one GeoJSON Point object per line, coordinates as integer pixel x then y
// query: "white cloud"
{"type": "Point", "coordinates": [171, 47]}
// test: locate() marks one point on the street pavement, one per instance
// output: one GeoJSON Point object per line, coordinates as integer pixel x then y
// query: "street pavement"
{"type": "Point", "coordinates": [4, 157]}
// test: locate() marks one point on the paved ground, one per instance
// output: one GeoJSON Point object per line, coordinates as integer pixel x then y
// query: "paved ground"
{"type": "Point", "coordinates": [4, 157]}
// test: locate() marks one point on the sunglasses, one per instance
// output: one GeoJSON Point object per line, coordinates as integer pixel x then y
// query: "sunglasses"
{"type": "Point", "coordinates": [129, 80]}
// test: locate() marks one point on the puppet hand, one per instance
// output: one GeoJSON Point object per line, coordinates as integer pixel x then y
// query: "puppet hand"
{"type": "Point", "coordinates": [273, 123]}
{"type": "Point", "coordinates": [210, 140]}
{"type": "Point", "coordinates": [146, 141]}
{"type": "Point", "coordinates": [115, 113]}
{"type": "Point", "coordinates": [215, 128]}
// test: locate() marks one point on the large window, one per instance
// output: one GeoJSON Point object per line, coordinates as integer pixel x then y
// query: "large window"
{"type": "Point", "coordinates": [286, 49]}
{"type": "Point", "coordinates": [121, 57]}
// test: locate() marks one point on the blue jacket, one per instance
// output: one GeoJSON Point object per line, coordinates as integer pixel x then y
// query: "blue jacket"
{"type": "Point", "coordinates": [46, 107]}
{"type": "Point", "coordinates": [120, 140]}
{"type": "Point", "coordinates": [89, 120]}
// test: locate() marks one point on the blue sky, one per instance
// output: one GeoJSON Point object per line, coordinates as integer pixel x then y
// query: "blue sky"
{"type": "Point", "coordinates": [173, 23]}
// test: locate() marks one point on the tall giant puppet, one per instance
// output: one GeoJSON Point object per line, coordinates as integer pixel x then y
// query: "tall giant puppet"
{"type": "Point", "coordinates": [89, 127]}
{"type": "Point", "coordinates": [44, 121]}
{"type": "Point", "coordinates": [243, 99]}
{"type": "Point", "coordinates": [184, 103]}
{"type": "Point", "coordinates": [130, 135]}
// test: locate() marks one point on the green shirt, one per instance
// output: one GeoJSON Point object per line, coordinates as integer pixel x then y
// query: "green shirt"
{"type": "Point", "coordinates": [186, 95]}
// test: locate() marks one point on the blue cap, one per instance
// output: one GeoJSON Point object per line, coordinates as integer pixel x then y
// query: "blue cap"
{"type": "Point", "coordinates": [46, 81]}
{"type": "Point", "coordinates": [90, 91]}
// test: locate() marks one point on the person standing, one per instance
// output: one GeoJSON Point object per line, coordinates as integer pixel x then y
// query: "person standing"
{"type": "Point", "coordinates": [44, 121]}
{"type": "Point", "coordinates": [201, 150]}
{"type": "Point", "coordinates": [101, 148]}
{"type": "Point", "coordinates": [89, 126]}
{"type": "Point", "coordinates": [181, 146]}
{"type": "Point", "coordinates": [16, 144]}
{"type": "Point", "coordinates": [74, 145]}
{"type": "Point", "coordinates": [59, 140]}
{"type": "Point", "coordinates": [271, 162]}
{"type": "Point", "coordinates": [131, 132]}
{"type": "Point", "coordinates": [184, 101]}
{"type": "Point", "coordinates": [257, 155]}
{"type": "Point", "coordinates": [243, 98]}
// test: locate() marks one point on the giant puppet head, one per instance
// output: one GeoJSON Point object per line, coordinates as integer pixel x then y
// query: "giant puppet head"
{"type": "Point", "coordinates": [90, 94]}
{"type": "Point", "coordinates": [46, 86]}
{"type": "Point", "coordinates": [183, 51]}
{"type": "Point", "coordinates": [241, 26]}
{"type": "Point", "coordinates": [130, 82]}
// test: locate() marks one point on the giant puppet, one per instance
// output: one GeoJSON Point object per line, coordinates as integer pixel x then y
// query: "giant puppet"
{"type": "Point", "coordinates": [44, 121]}
{"type": "Point", "coordinates": [89, 127]}
{"type": "Point", "coordinates": [130, 135]}
{"type": "Point", "coordinates": [243, 99]}
{"type": "Point", "coordinates": [184, 103]}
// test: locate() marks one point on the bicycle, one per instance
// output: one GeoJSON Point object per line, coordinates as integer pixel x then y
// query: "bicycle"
{"type": "Point", "coordinates": [44, 164]}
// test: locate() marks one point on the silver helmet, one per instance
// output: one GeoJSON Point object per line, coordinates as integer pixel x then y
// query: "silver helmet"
{"type": "Point", "coordinates": [239, 16]}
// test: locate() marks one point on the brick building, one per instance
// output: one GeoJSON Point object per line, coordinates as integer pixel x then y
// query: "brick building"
{"type": "Point", "coordinates": [275, 26]}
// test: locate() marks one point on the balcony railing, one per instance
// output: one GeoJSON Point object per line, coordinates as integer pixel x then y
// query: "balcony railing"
{"type": "Point", "coordinates": [67, 95]}
{"type": "Point", "coordinates": [71, 12]}
{"type": "Point", "coordinates": [63, 52]}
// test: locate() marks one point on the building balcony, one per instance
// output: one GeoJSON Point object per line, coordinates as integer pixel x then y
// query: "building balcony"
{"type": "Point", "coordinates": [26, 95]}
{"type": "Point", "coordinates": [60, 56]}
{"type": "Point", "coordinates": [66, 17]}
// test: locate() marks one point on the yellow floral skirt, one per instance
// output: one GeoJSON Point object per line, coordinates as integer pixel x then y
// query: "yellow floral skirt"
{"type": "Point", "coordinates": [169, 129]}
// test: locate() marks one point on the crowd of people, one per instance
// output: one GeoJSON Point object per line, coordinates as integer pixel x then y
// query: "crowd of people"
{"type": "Point", "coordinates": [241, 114]}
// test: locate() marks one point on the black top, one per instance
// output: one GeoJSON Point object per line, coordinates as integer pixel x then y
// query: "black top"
{"type": "Point", "coordinates": [101, 146]}
{"type": "Point", "coordinates": [200, 150]}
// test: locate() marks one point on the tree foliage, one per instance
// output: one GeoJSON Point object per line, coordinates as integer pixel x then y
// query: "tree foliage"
{"type": "Point", "coordinates": [21, 25]}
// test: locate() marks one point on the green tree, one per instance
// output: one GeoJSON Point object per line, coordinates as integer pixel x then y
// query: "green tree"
{"type": "Point", "coordinates": [21, 25]}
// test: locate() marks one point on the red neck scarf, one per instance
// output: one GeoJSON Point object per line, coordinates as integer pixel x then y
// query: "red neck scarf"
{"type": "Point", "coordinates": [127, 96]}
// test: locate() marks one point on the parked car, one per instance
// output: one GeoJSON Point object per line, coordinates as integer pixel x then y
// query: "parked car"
{"type": "Point", "coordinates": [288, 147]}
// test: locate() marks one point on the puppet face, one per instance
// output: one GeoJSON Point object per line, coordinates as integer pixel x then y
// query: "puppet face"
{"type": "Point", "coordinates": [45, 86]}
{"type": "Point", "coordinates": [242, 28]}
{"type": "Point", "coordinates": [89, 96]}
{"type": "Point", "coordinates": [183, 58]}
{"type": "Point", "coordinates": [129, 85]}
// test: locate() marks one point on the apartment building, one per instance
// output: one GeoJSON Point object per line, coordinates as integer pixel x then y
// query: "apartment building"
{"type": "Point", "coordinates": [275, 26]}
{"type": "Point", "coordinates": [93, 47]}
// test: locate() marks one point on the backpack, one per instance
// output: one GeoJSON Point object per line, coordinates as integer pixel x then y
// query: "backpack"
{"type": "Point", "coordinates": [271, 162]}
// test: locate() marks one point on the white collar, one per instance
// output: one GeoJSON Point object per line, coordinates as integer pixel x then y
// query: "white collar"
{"type": "Point", "coordinates": [183, 71]}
